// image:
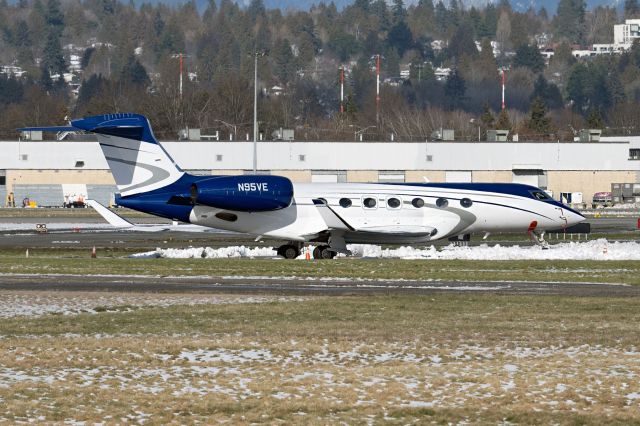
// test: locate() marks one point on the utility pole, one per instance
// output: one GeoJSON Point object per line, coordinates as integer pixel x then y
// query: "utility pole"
{"type": "Point", "coordinates": [255, 108]}
{"type": "Point", "coordinates": [341, 89]}
{"type": "Point", "coordinates": [503, 85]}
{"type": "Point", "coordinates": [377, 89]}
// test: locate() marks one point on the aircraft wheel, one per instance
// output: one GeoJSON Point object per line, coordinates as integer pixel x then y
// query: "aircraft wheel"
{"type": "Point", "coordinates": [289, 251]}
{"type": "Point", "coordinates": [326, 253]}
{"type": "Point", "coordinates": [317, 252]}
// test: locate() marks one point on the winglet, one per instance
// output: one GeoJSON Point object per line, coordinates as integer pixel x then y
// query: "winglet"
{"type": "Point", "coordinates": [110, 216]}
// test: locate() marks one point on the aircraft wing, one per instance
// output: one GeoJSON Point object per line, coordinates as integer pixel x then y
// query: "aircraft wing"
{"type": "Point", "coordinates": [119, 222]}
{"type": "Point", "coordinates": [400, 230]}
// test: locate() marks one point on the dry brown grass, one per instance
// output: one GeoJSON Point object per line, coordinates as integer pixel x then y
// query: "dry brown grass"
{"type": "Point", "coordinates": [443, 358]}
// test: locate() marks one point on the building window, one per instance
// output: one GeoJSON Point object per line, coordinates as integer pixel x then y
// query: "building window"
{"type": "Point", "coordinates": [219, 157]}
{"type": "Point", "coordinates": [302, 157]}
{"type": "Point", "coordinates": [391, 177]}
{"type": "Point", "coordinates": [3, 180]}
{"type": "Point", "coordinates": [634, 154]}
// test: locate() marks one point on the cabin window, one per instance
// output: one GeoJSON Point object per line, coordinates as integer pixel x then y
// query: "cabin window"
{"type": "Point", "coordinates": [540, 195]}
{"type": "Point", "coordinates": [442, 203]}
{"type": "Point", "coordinates": [417, 202]}
{"type": "Point", "coordinates": [229, 217]}
{"type": "Point", "coordinates": [393, 203]}
{"type": "Point", "coordinates": [369, 203]}
{"type": "Point", "coordinates": [345, 202]}
{"type": "Point", "coordinates": [466, 203]}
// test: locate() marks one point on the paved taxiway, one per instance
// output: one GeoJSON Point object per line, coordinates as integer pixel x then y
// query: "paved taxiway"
{"type": "Point", "coordinates": [99, 234]}
{"type": "Point", "coordinates": [294, 286]}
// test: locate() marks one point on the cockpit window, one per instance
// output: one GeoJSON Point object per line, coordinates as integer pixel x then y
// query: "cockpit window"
{"type": "Point", "coordinates": [540, 195]}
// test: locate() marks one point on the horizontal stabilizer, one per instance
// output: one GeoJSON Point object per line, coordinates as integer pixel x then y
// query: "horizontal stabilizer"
{"type": "Point", "coordinates": [110, 216]}
{"type": "Point", "coordinates": [50, 129]}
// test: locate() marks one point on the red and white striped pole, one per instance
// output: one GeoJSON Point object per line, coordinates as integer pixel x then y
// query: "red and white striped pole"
{"type": "Point", "coordinates": [377, 88]}
{"type": "Point", "coordinates": [503, 84]}
{"type": "Point", "coordinates": [181, 67]}
{"type": "Point", "coordinates": [341, 89]}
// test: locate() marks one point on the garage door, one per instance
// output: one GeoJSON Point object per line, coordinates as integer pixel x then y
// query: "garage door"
{"type": "Point", "coordinates": [526, 177]}
{"type": "Point", "coordinates": [457, 176]}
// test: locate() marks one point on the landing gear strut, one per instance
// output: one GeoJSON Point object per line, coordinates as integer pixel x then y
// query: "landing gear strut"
{"type": "Point", "coordinates": [288, 251]}
{"type": "Point", "coordinates": [323, 252]}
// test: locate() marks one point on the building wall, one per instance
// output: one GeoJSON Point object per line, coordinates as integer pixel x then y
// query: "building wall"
{"type": "Point", "coordinates": [295, 175]}
{"type": "Point", "coordinates": [32, 177]}
{"type": "Point", "coordinates": [587, 182]}
{"type": "Point", "coordinates": [420, 175]}
{"type": "Point", "coordinates": [364, 176]}
{"type": "Point", "coordinates": [492, 176]}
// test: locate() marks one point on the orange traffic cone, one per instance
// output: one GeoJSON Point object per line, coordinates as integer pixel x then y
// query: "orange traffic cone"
{"type": "Point", "coordinates": [307, 255]}
{"type": "Point", "coordinates": [93, 252]}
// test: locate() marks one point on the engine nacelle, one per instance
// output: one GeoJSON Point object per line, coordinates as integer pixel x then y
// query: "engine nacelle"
{"type": "Point", "coordinates": [250, 193]}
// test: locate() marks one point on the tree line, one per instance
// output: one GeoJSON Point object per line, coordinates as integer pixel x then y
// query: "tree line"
{"type": "Point", "coordinates": [129, 61]}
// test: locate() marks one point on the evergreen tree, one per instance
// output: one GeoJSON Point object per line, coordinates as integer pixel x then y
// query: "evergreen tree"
{"type": "Point", "coordinates": [631, 9]}
{"type": "Point", "coordinates": [529, 56]}
{"type": "Point", "coordinates": [576, 86]}
{"type": "Point", "coordinates": [400, 37]}
{"type": "Point", "coordinates": [548, 92]}
{"type": "Point", "coordinates": [455, 90]}
{"type": "Point", "coordinates": [569, 21]}
{"type": "Point", "coordinates": [133, 72]}
{"type": "Point", "coordinates": [487, 119]}
{"type": "Point", "coordinates": [462, 43]}
{"type": "Point", "coordinates": [398, 11]}
{"type": "Point", "coordinates": [54, 18]}
{"type": "Point", "coordinates": [594, 119]}
{"type": "Point", "coordinates": [53, 57]}
{"type": "Point", "coordinates": [538, 121]}
{"type": "Point", "coordinates": [284, 61]}
{"type": "Point", "coordinates": [503, 122]}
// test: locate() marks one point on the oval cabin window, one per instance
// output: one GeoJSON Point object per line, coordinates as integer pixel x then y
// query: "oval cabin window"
{"type": "Point", "coordinates": [393, 203]}
{"type": "Point", "coordinates": [345, 202]}
{"type": "Point", "coordinates": [442, 202]}
{"type": "Point", "coordinates": [369, 203]}
{"type": "Point", "coordinates": [417, 202]}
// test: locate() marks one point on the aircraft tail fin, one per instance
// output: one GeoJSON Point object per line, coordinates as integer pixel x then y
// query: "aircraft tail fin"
{"type": "Point", "coordinates": [109, 216]}
{"type": "Point", "coordinates": [136, 159]}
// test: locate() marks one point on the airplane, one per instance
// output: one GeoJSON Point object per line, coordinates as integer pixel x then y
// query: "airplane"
{"type": "Point", "coordinates": [328, 215]}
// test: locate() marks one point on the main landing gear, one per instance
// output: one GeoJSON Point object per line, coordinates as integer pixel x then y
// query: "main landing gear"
{"type": "Point", "coordinates": [323, 252]}
{"type": "Point", "coordinates": [288, 251]}
{"type": "Point", "coordinates": [292, 251]}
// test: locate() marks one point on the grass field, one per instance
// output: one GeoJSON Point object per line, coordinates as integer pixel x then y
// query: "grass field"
{"type": "Point", "coordinates": [110, 262]}
{"type": "Point", "coordinates": [358, 360]}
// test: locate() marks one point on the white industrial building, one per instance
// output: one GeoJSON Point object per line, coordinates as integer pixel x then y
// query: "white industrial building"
{"type": "Point", "coordinates": [40, 170]}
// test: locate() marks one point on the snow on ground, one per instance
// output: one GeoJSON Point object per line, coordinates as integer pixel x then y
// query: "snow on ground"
{"type": "Point", "coordinates": [585, 378]}
{"type": "Point", "coordinates": [600, 249]}
{"type": "Point", "coordinates": [27, 303]}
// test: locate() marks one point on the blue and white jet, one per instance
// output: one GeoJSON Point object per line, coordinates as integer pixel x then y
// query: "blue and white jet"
{"type": "Point", "coordinates": [328, 215]}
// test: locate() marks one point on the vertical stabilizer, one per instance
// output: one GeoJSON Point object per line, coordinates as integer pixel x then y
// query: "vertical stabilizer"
{"type": "Point", "coordinates": [137, 161]}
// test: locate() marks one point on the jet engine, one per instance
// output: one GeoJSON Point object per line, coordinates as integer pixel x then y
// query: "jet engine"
{"type": "Point", "coordinates": [250, 193]}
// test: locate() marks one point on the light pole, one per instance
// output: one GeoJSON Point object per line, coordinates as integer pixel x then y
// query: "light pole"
{"type": "Point", "coordinates": [255, 108]}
